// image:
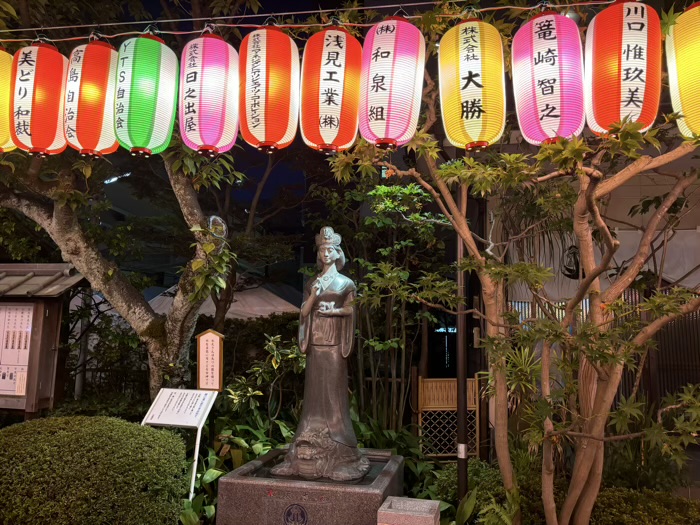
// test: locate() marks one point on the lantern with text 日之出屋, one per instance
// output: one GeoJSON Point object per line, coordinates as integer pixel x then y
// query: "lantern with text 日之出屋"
{"type": "Point", "coordinates": [623, 66]}
{"type": "Point", "coordinates": [6, 143]}
{"type": "Point", "coordinates": [88, 117]}
{"type": "Point", "coordinates": [330, 90]}
{"type": "Point", "coordinates": [548, 78]}
{"type": "Point", "coordinates": [146, 91]}
{"type": "Point", "coordinates": [393, 64]}
{"type": "Point", "coordinates": [208, 104]}
{"type": "Point", "coordinates": [472, 84]}
{"type": "Point", "coordinates": [36, 101]}
{"type": "Point", "coordinates": [269, 79]}
{"type": "Point", "coordinates": [683, 60]}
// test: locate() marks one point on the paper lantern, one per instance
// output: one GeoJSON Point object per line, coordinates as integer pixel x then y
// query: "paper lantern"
{"type": "Point", "coordinates": [330, 90]}
{"type": "Point", "coordinates": [623, 66]}
{"type": "Point", "coordinates": [472, 84]}
{"type": "Point", "coordinates": [209, 95]}
{"type": "Point", "coordinates": [6, 143]}
{"type": "Point", "coordinates": [548, 78]}
{"type": "Point", "coordinates": [88, 117]}
{"type": "Point", "coordinates": [393, 63]}
{"type": "Point", "coordinates": [38, 86]}
{"type": "Point", "coordinates": [269, 76]}
{"type": "Point", "coordinates": [683, 57]}
{"type": "Point", "coordinates": [144, 102]}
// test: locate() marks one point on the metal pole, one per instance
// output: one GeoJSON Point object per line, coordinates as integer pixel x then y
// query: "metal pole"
{"type": "Point", "coordinates": [462, 472]}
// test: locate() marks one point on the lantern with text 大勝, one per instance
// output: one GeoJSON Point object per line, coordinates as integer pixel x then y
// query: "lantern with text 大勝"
{"type": "Point", "coordinates": [683, 58]}
{"type": "Point", "coordinates": [144, 101]}
{"type": "Point", "coordinates": [36, 102]}
{"type": "Point", "coordinates": [6, 143]}
{"type": "Point", "coordinates": [88, 120]}
{"type": "Point", "coordinates": [330, 90]}
{"type": "Point", "coordinates": [393, 63]}
{"type": "Point", "coordinates": [548, 78]}
{"type": "Point", "coordinates": [269, 76]}
{"type": "Point", "coordinates": [623, 66]}
{"type": "Point", "coordinates": [472, 85]}
{"type": "Point", "coordinates": [209, 95]}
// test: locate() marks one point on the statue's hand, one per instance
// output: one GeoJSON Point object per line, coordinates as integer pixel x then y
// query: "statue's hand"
{"type": "Point", "coordinates": [327, 308]}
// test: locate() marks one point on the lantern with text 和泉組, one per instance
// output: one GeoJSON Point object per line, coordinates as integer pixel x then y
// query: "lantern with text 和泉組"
{"type": "Point", "coordinates": [36, 101]}
{"type": "Point", "coordinates": [548, 78]}
{"type": "Point", "coordinates": [269, 80]}
{"type": "Point", "coordinates": [6, 143]}
{"type": "Point", "coordinates": [683, 60]}
{"type": "Point", "coordinates": [330, 90]}
{"type": "Point", "coordinates": [472, 85]}
{"type": "Point", "coordinates": [209, 95]}
{"type": "Point", "coordinates": [144, 101]}
{"type": "Point", "coordinates": [88, 117]}
{"type": "Point", "coordinates": [623, 66]}
{"type": "Point", "coordinates": [393, 63]}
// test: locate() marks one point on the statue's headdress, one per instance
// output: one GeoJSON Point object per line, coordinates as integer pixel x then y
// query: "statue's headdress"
{"type": "Point", "coordinates": [328, 236]}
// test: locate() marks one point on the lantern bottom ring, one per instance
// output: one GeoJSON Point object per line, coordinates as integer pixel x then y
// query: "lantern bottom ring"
{"type": "Point", "coordinates": [268, 147]}
{"type": "Point", "coordinates": [208, 151]}
{"type": "Point", "coordinates": [141, 152]}
{"type": "Point", "coordinates": [90, 153]}
{"type": "Point", "coordinates": [550, 140]}
{"type": "Point", "coordinates": [478, 145]}
{"type": "Point", "coordinates": [39, 152]}
{"type": "Point", "coordinates": [386, 144]}
{"type": "Point", "coordinates": [328, 149]}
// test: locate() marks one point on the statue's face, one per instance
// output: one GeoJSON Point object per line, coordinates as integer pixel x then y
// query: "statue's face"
{"type": "Point", "coordinates": [328, 254]}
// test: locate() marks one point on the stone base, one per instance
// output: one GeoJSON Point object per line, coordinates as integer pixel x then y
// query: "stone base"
{"type": "Point", "coordinates": [250, 495]}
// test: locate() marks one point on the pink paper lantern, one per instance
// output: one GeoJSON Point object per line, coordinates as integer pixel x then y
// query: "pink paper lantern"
{"type": "Point", "coordinates": [548, 78]}
{"type": "Point", "coordinates": [208, 102]}
{"type": "Point", "coordinates": [393, 62]}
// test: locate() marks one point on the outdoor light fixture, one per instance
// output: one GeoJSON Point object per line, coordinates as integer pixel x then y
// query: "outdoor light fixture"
{"type": "Point", "coordinates": [208, 102]}
{"type": "Point", "coordinates": [269, 92]}
{"type": "Point", "coordinates": [88, 116]}
{"type": "Point", "coordinates": [393, 64]}
{"type": "Point", "coordinates": [144, 102]}
{"type": "Point", "coordinates": [683, 57]}
{"type": "Point", "coordinates": [36, 101]}
{"type": "Point", "coordinates": [548, 78]}
{"type": "Point", "coordinates": [6, 143]}
{"type": "Point", "coordinates": [472, 85]}
{"type": "Point", "coordinates": [330, 90]}
{"type": "Point", "coordinates": [623, 66]}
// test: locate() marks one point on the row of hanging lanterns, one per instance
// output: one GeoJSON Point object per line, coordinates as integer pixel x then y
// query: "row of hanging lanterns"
{"type": "Point", "coordinates": [99, 97]}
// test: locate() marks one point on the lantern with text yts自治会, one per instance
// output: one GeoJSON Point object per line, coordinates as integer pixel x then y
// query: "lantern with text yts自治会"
{"type": "Point", "coordinates": [88, 117]}
{"type": "Point", "coordinates": [208, 102]}
{"type": "Point", "coordinates": [146, 91]}
{"type": "Point", "coordinates": [330, 90]}
{"type": "Point", "coordinates": [269, 79]}
{"type": "Point", "coordinates": [683, 60]}
{"type": "Point", "coordinates": [472, 85]}
{"type": "Point", "coordinates": [6, 143]}
{"type": "Point", "coordinates": [36, 100]}
{"type": "Point", "coordinates": [548, 78]}
{"type": "Point", "coordinates": [623, 66]}
{"type": "Point", "coordinates": [393, 64]}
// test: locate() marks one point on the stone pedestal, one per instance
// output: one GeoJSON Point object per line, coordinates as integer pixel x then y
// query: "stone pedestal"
{"type": "Point", "coordinates": [251, 496]}
{"type": "Point", "coordinates": [408, 511]}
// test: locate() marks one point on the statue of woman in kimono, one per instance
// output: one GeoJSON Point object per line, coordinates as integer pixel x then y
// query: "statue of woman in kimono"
{"type": "Point", "coordinates": [325, 444]}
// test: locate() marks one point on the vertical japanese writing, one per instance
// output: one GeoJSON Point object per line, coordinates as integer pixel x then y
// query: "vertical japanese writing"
{"type": "Point", "coordinates": [72, 90]}
{"type": "Point", "coordinates": [191, 87]}
{"type": "Point", "coordinates": [332, 84]}
{"type": "Point", "coordinates": [633, 61]}
{"type": "Point", "coordinates": [472, 83]}
{"type": "Point", "coordinates": [24, 89]}
{"type": "Point", "coordinates": [256, 80]}
{"type": "Point", "coordinates": [123, 91]}
{"type": "Point", "coordinates": [546, 74]}
{"type": "Point", "coordinates": [381, 68]}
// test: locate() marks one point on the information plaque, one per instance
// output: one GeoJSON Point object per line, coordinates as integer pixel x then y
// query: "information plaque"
{"type": "Point", "coordinates": [210, 358]}
{"type": "Point", "coordinates": [15, 335]}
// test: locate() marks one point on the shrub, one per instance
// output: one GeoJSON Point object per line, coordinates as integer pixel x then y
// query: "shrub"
{"type": "Point", "coordinates": [483, 477]}
{"type": "Point", "coordinates": [90, 470]}
{"type": "Point", "coordinates": [617, 506]}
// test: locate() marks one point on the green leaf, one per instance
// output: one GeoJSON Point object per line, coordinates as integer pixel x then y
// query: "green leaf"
{"type": "Point", "coordinates": [210, 510]}
{"type": "Point", "coordinates": [466, 508]}
{"type": "Point", "coordinates": [197, 264]}
{"type": "Point", "coordinates": [208, 247]}
{"type": "Point", "coordinates": [189, 517]}
{"type": "Point", "coordinates": [212, 474]}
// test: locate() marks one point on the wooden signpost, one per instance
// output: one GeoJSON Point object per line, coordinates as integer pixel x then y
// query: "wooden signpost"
{"type": "Point", "coordinates": [210, 361]}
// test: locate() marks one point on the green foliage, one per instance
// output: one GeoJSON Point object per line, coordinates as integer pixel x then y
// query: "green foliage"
{"type": "Point", "coordinates": [617, 506]}
{"type": "Point", "coordinates": [211, 269]}
{"type": "Point", "coordinates": [90, 470]}
{"type": "Point", "coordinates": [105, 404]}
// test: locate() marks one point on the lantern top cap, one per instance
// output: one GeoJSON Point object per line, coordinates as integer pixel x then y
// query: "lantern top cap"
{"type": "Point", "coordinates": [100, 43]}
{"type": "Point", "coordinates": [548, 12]}
{"type": "Point", "coordinates": [152, 37]}
{"type": "Point", "coordinates": [395, 17]}
{"type": "Point", "coordinates": [46, 45]}
{"type": "Point", "coordinates": [210, 35]}
{"type": "Point", "coordinates": [692, 6]}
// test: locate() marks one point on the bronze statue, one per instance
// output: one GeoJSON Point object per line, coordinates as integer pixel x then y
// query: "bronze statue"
{"type": "Point", "coordinates": [325, 445]}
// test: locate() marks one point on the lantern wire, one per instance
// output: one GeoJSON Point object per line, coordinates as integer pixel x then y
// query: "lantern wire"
{"type": "Point", "coordinates": [269, 17]}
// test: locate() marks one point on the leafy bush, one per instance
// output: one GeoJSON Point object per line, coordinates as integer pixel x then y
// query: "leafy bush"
{"type": "Point", "coordinates": [90, 471]}
{"type": "Point", "coordinates": [616, 506]}
{"type": "Point", "coordinates": [105, 404]}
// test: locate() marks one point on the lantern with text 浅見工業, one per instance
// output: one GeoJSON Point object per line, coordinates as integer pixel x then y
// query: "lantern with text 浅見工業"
{"type": "Point", "coordinates": [269, 80]}
{"type": "Point", "coordinates": [146, 91]}
{"type": "Point", "coordinates": [330, 90]}
{"type": "Point", "coordinates": [208, 102]}
{"type": "Point", "coordinates": [548, 78]}
{"type": "Point", "coordinates": [36, 100]}
{"type": "Point", "coordinates": [623, 66]}
{"type": "Point", "coordinates": [472, 84]}
{"type": "Point", "coordinates": [393, 64]}
{"type": "Point", "coordinates": [6, 143]}
{"type": "Point", "coordinates": [88, 116]}
{"type": "Point", "coordinates": [683, 60]}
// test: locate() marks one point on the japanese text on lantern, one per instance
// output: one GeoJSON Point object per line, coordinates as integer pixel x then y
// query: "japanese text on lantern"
{"type": "Point", "coordinates": [209, 360]}
{"type": "Point", "coordinates": [332, 80]}
{"type": "Point", "coordinates": [634, 60]}
{"type": "Point", "coordinates": [123, 80]}
{"type": "Point", "coordinates": [471, 83]}
{"type": "Point", "coordinates": [26, 68]}
{"type": "Point", "coordinates": [190, 91]}
{"type": "Point", "coordinates": [546, 74]}
{"type": "Point", "coordinates": [72, 90]}
{"type": "Point", "coordinates": [255, 79]}
{"type": "Point", "coordinates": [381, 60]}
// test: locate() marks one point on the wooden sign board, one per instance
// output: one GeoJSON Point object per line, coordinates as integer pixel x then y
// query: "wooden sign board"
{"type": "Point", "coordinates": [210, 361]}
